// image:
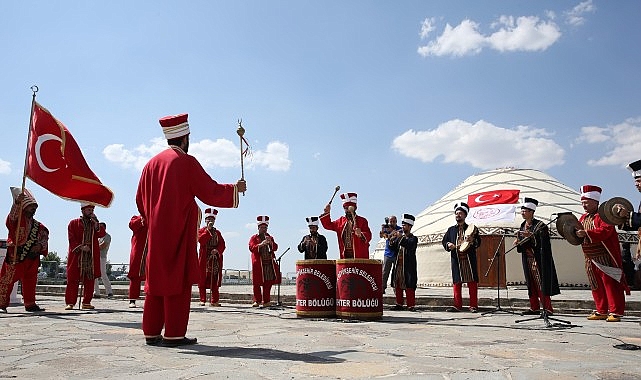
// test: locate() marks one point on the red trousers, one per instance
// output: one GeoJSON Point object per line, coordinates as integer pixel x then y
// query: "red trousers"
{"type": "Point", "coordinates": [411, 296]}
{"type": "Point", "coordinates": [609, 295]}
{"type": "Point", "coordinates": [265, 296]}
{"type": "Point", "coordinates": [170, 312]}
{"type": "Point", "coordinates": [25, 271]}
{"type": "Point", "coordinates": [71, 292]}
{"type": "Point", "coordinates": [473, 292]}
{"type": "Point", "coordinates": [215, 294]}
{"type": "Point", "coordinates": [134, 288]}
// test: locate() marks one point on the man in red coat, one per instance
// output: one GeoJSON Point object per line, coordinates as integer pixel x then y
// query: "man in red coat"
{"type": "Point", "coordinates": [210, 259]}
{"type": "Point", "coordinates": [166, 194]}
{"type": "Point", "coordinates": [602, 254]}
{"type": "Point", "coordinates": [137, 257]}
{"type": "Point", "coordinates": [265, 270]}
{"type": "Point", "coordinates": [83, 257]}
{"type": "Point", "coordinates": [23, 251]}
{"type": "Point", "coordinates": [353, 231]}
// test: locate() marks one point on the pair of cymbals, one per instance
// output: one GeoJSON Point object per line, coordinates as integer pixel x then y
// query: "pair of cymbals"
{"type": "Point", "coordinates": [566, 225]}
{"type": "Point", "coordinates": [609, 210]}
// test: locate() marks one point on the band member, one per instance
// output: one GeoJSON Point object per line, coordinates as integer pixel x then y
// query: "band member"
{"type": "Point", "coordinates": [83, 258]}
{"type": "Point", "coordinates": [533, 242]}
{"type": "Point", "coordinates": [389, 255]}
{"type": "Point", "coordinates": [633, 222]}
{"type": "Point", "coordinates": [404, 277]}
{"type": "Point", "coordinates": [265, 270]}
{"type": "Point", "coordinates": [166, 194]}
{"type": "Point", "coordinates": [24, 247]}
{"type": "Point", "coordinates": [313, 245]}
{"type": "Point", "coordinates": [464, 266]}
{"type": "Point", "coordinates": [602, 258]}
{"type": "Point", "coordinates": [210, 259]}
{"type": "Point", "coordinates": [137, 257]}
{"type": "Point", "coordinates": [352, 230]}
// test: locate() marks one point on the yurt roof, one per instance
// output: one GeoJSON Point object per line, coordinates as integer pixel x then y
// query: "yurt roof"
{"type": "Point", "coordinates": [553, 196]}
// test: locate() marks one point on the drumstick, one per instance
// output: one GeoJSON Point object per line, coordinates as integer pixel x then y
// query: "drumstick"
{"type": "Point", "coordinates": [333, 195]}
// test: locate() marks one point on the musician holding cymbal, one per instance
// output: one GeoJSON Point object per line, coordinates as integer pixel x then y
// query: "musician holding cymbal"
{"type": "Point", "coordinates": [533, 243]}
{"type": "Point", "coordinates": [352, 230]}
{"type": "Point", "coordinates": [461, 240]}
{"type": "Point", "coordinates": [602, 254]}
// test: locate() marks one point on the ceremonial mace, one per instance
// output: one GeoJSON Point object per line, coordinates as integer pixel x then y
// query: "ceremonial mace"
{"type": "Point", "coordinates": [333, 195]}
{"type": "Point", "coordinates": [241, 132]}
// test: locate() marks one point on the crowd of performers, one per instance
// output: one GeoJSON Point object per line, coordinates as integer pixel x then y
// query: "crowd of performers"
{"type": "Point", "coordinates": [165, 258]}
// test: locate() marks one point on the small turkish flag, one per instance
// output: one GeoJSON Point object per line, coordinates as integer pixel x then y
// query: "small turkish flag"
{"type": "Point", "coordinates": [493, 197]}
{"type": "Point", "coordinates": [56, 163]}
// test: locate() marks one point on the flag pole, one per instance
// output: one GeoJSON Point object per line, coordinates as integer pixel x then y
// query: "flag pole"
{"type": "Point", "coordinates": [241, 133]}
{"type": "Point", "coordinates": [34, 89]}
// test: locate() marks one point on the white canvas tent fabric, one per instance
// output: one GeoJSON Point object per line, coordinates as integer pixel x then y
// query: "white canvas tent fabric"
{"type": "Point", "coordinates": [553, 196]}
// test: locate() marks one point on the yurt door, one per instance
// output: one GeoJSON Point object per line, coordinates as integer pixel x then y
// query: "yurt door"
{"type": "Point", "coordinates": [484, 256]}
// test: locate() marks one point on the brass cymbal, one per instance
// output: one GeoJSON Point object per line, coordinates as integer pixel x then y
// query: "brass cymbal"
{"type": "Point", "coordinates": [608, 210]}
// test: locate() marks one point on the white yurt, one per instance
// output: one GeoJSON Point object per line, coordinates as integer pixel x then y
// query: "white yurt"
{"type": "Point", "coordinates": [494, 266]}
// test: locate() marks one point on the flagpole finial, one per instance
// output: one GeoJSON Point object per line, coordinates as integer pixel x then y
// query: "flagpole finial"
{"type": "Point", "coordinates": [34, 89]}
{"type": "Point", "coordinates": [240, 130]}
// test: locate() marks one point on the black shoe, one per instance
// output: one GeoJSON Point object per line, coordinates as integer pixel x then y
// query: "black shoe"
{"type": "Point", "coordinates": [34, 308]}
{"type": "Point", "coordinates": [531, 312]}
{"type": "Point", "coordinates": [96, 296]}
{"type": "Point", "coordinates": [396, 307]}
{"type": "Point", "coordinates": [473, 309]}
{"type": "Point", "coordinates": [154, 341]}
{"type": "Point", "coordinates": [178, 342]}
{"type": "Point", "coordinates": [452, 309]}
{"type": "Point", "coordinates": [110, 295]}
{"type": "Point", "coordinates": [412, 308]}
{"type": "Point", "coordinates": [3, 310]}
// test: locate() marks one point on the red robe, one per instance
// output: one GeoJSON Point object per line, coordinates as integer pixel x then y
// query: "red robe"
{"type": "Point", "coordinates": [607, 235]}
{"type": "Point", "coordinates": [257, 264]}
{"type": "Point", "coordinates": [75, 231]}
{"type": "Point", "coordinates": [203, 239]}
{"type": "Point", "coordinates": [361, 247]}
{"type": "Point", "coordinates": [138, 242]}
{"type": "Point", "coordinates": [165, 198]}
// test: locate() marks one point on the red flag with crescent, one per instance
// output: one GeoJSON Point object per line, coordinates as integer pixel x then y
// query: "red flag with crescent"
{"type": "Point", "coordinates": [55, 162]}
{"type": "Point", "coordinates": [492, 206]}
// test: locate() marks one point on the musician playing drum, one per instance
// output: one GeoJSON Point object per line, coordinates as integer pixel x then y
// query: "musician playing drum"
{"type": "Point", "coordinates": [353, 230]}
{"type": "Point", "coordinates": [461, 240]}
{"type": "Point", "coordinates": [533, 242]}
{"type": "Point", "coordinates": [314, 245]}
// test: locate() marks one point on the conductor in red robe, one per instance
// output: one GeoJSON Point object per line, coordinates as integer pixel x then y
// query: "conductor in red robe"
{"type": "Point", "coordinates": [166, 194]}
{"type": "Point", "coordinates": [210, 259]}
{"type": "Point", "coordinates": [137, 257]}
{"type": "Point", "coordinates": [83, 258]}
{"type": "Point", "coordinates": [265, 270]}
{"type": "Point", "coordinates": [353, 231]}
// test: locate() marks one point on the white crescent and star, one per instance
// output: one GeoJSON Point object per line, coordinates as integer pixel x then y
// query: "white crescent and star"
{"type": "Point", "coordinates": [41, 140]}
{"type": "Point", "coordinates": [479, 200]}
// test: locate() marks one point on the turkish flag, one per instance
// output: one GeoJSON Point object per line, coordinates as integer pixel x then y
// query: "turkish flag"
{"type": "Point", "coordinates": [493, 197]}
{"type": "Point", "coordinates": [495, 206]}
{"type": "Point", "coordinates": [56, 163]}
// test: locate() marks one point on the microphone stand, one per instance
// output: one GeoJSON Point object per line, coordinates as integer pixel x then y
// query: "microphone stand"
{"type": "Point", "coordinates": [278, 303]}
{"type": "Point", "coordinates": [544, 314]}
{"type": "Point", "coordinates": [498, 308]}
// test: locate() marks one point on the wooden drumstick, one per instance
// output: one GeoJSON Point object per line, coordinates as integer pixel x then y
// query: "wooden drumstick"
{"type": "Point", "coordinates": [333, 195]}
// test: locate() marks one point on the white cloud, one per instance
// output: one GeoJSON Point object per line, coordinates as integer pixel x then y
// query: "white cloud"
{"type": "Point", "coordinates": [575, 17]}
{"type": "Point", "coordinates": [275, 157]}
{"type": "Point", "coordinates": [623, 142]}
{"type": "Point", "coordinates": [219, 153]}
{"type": "Point", "coordinates": [426, 28]}
{"type": "Point", "coordinates": [525, 33]}
{"type": "Point", "coordinates": [5, 167]}
{"type": "Point", "coordinates": [482, 145]}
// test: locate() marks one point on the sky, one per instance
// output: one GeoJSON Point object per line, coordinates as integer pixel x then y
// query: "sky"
{"type": "Point", "coordinates": [398, 102]}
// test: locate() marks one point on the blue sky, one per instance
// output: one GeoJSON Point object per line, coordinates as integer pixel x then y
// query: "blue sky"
{"type": "Point", "coordinates": [396, 101]}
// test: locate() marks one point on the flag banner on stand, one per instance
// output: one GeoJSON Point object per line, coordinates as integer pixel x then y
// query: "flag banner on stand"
{"type": "Point", "coordinates": [55, 162]}
{"type": "Point", "coordinates": [492, 206]}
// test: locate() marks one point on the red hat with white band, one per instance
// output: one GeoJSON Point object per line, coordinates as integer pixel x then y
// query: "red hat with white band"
{"type": "Point", "coordinates": [174, 126]}
{"type": "Point", "coordinates": [591, 192]}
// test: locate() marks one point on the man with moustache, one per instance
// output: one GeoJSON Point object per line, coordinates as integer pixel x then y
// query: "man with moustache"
{"type": "Point", "coordinates": [404, 274]}
{"type": "Point", "coordinates": [352, 230]}
{"type": "Point", "coordinates": [314, 245]}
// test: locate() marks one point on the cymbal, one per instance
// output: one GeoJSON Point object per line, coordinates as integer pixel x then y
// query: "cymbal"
{"type": "Point", "coordinates": [562, 219]}
{"type": "Point", "coordinates": [569, 233]}
{"type": "Point", "coordinates": [608, 212]}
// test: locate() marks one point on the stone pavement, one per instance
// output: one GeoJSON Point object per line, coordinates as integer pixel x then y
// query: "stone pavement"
{"type": "Point", "coordinates": [238, 341]}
